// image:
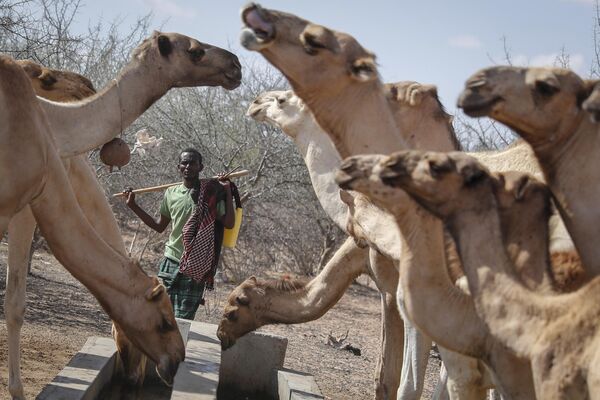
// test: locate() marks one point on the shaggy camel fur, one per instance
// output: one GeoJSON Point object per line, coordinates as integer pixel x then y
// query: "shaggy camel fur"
{"type": "Point", "coordinates": [161, 62]}
{"type": "Point", "coordinates": [338, 81]}
{"type": "Point", "coordinates": [559, 333]}
{"type": "Point", "coordinates": [543, 105]}
{"type": "Point", "coordinates": [136, 302]}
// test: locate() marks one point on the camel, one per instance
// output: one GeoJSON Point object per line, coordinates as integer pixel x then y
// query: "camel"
{"type": "Point", "coordinates": [544, 106]}
{"type": "Point", "coordinates": [136, 302]}
{"type": "Point", "coordinates": [161, 62]}
{"type": "Point", "coordinates": [338, 81]}
{"type": "Point", "coordinates": [559, 333]}
{"type": "Point", "coordinates": [187, 61]}
{"type": "Point", "coordinates": [418, 111]}
{"type": "Point", "coordinates": [61, 86]}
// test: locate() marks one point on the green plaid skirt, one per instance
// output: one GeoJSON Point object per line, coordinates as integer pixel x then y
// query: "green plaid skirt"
{"type": "Point", "coordinates": [185, 293]}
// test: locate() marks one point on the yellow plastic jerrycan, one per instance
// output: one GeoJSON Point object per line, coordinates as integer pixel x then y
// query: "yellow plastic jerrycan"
{"type": "Point", "coordinates": [230, 236]}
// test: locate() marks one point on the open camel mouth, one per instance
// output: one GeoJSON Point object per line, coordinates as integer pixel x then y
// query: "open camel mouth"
{"type": "Point", "coordinates": [259, 31]}
{"type": "Point", "coordinates": [474, 105]}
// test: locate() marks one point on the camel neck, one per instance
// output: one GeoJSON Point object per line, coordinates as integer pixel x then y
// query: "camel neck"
{"type": "Point", "coordinates": [423, 269]}
{"type": "Point", "coordinates": [322, 292]}
{"type": "Point", "coordinates": [82, 126]}
{"type": "Point", "coordinates": [322, 161]}
{"type": "Point", "coordinates": [570, 171]}
{"type": "Point", "coordinates": [512, 312]}
{"type": "Point", "coordinates": [357, 119]}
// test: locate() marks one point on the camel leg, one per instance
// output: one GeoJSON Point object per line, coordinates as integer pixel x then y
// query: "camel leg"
{"type": "Point", "coordinates": [440, 392]}
{"type": "Point", "coordinates": [20, 231]}
{"type": "Point", "coordinates": [390, 361]}
{"type": "Point", "coordinates": [416, 355]}
{"type": "Point", "coordinates": [385, 276]}
{"type": "Point", "coordinates": [464, 376]}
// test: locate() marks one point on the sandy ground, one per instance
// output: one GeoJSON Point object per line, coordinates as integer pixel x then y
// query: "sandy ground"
{"type": "Point", "coordinates": [61, 315]}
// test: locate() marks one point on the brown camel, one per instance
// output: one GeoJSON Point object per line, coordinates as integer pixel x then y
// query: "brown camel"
{"type": "Point", "coordinates": [161, 62]}
{"type": "Point", "coordinates": [418, 112]}
{"type": "Point", "coordinates": [338, 80]}
{"type": "Point", "coordinates": [136, 302]}
{"type": "Point", "coordinates": [559, 333]}
{"type": "Point", "coordinates": [63, 86]}
{"type": "Point", "coordinates": [544, 106]}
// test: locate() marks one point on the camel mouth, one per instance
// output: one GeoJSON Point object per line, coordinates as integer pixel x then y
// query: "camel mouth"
{"type": "Point", "coordinates": [258, 30]}
{"type": "Point", "coordinates": [255, 111]}
{"type": "Point", "coordinates": [474, 105]}
{"type": "Point", "coordinates": [345, 181]}
{"type": "Point", "coordinates": [233, 80]}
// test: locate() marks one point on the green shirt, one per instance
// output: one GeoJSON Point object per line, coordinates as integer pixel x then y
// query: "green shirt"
{"type": "Point", "coordinates": [177, 204]}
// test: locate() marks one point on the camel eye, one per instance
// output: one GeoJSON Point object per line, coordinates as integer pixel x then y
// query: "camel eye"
{"type": "Point", "coordinates": [231, 316]}
{"type": "Point", "coordinates": [545, 89]}
{"type": "Point", "coordinates": [196, 53]}
{"type": "Point", "coordinates": [242, 301]}
{"type": "Point", "coordinates": [280, 100]}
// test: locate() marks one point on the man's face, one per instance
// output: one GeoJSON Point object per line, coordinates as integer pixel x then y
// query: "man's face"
{"type": "Point", "coordinates": [189, 165]}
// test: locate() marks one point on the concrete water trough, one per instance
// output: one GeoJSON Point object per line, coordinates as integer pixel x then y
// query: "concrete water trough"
{"type": "Point", "coordinates": [252, 369]}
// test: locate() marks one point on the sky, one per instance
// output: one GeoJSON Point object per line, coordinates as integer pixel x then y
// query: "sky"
{"type": "Point", "coordinates": [430, 41]}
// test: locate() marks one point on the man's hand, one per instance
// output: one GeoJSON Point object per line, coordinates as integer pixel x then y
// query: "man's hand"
{"type": "Point", "coordinates": [129, 197]}
{"type": "Point", "coordinates": [224, 181]}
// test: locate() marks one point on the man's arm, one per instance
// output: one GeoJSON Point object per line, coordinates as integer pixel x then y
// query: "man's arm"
{"type": "Point", "coordinates": [159, 226]}
{"type": "Point", "coordinates": [228, 219]}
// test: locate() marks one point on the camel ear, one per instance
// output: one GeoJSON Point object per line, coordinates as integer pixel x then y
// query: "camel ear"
{"type": "Point", "coordinates": [521, 187]}
{"type": "Point", "coordinates": [316, 37]}
{"type": "Point", "coordinates": [165, 47]}
{"type": "Point", "coordinates": [32, 69]}
{"type": "Point", "coordinates": [544, 81]}
{"type": "Point", "coordinates": [253, 279]}
{"type": "Point", "coordinates": [155, 291]}
{"type": "Point", "coordinates": [364, 69]}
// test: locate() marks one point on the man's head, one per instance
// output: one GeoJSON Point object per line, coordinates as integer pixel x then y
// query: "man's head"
{"type": "Point", "coordinates": [190, 163]}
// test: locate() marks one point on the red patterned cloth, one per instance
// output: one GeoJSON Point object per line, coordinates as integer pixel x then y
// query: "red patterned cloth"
{"type": "Point", "coordinates": [199, 259]}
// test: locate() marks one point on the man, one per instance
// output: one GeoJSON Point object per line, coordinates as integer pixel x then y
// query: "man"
{"type": "Point", "coordinates": [177, 206]}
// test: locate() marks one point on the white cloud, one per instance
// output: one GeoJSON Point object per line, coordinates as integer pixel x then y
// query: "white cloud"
{"type": "Point", "coordinates": [465, 41]}
{"type": "Point", "coordinates": [576, 61]}
{"type": "Point", "coordinates": [169, 8]}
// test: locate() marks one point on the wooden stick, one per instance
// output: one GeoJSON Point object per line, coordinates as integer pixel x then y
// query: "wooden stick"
{"type": "Point", "coordinates": [237, 174]}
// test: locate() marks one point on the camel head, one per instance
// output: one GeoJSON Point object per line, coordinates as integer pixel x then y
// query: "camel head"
{"type": "Point", "coordinates": [248, 306]}
{"type": "Point", "coordinates": [150, 324]}
{"type": "Point", "coordinates": [181, 61]}
{"type": "Point", "coordinates": [312, 57]}
{"type": "Point", "coordinates": [57, 85]}
{"type": "Point", "coordinates": [281, 108]}
{"type": "Point", "coordinates": [532, 101]}
{"type": "Point", "coordinates": [438, 180]}
{"type": "Point", "coordinates": [356, 173]}
{"type": "Point", "coordinates": [592, 104]}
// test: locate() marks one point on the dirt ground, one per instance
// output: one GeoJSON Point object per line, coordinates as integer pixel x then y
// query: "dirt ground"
{"type": "Point", "coordinates": [61, 315]}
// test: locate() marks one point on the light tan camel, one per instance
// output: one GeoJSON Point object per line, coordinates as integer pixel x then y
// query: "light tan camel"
{"type": "Point", "coordinates": [161, 62]}
{"type": "Point", "coordinates": [33, 174]}
{"type": "Point", "coordinates": [420, 114]}
{"type": "Point", "coordinates": [559, 333]}
{"type": "Point", "coordinates": [182, 61]}
{"type": "Point", "coordinates": [286, 111]}
{"type": "Point", "coordinates": [543, 105]}
{"type": "Point", "coordinates": [60, 86]}
{"type": "Point", "coordinates": [338, 81]}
